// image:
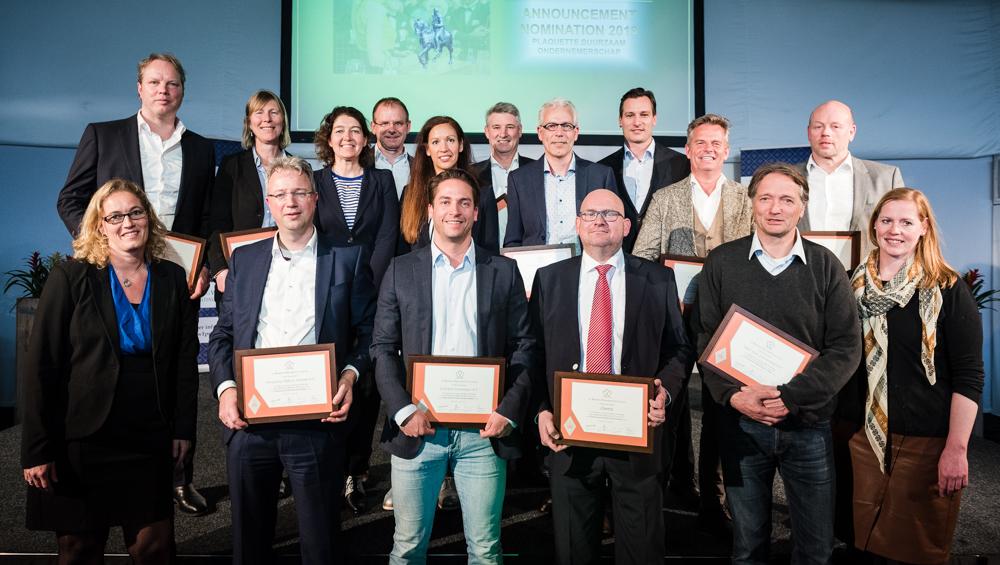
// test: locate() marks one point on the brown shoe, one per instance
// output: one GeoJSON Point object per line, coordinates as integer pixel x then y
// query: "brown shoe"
{"type": "Point", "coordinates": [448, 497]}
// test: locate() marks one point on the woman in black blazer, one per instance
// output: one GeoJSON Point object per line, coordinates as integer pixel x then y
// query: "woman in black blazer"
{"type": "Point", "coordinates": [238, 195]}
{"type": "Point", "coordinates": [357, 202]}
{"type": "Point", "coordinates": [110, 391]}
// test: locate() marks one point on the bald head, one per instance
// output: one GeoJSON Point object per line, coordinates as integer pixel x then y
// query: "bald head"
{"type": "Point", "coordinates": [600, 237]}
{"type": "Point", "coordinates": [831, 130]}
{"type": "Point", "coordinates": [834, 106]}
{"type": "Point", "coordinates": [603, 199]}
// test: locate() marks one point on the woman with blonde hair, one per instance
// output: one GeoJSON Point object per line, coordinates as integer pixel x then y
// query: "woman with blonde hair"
{"type": "Point", "coordinates": [907, 414]}
{"type": "Point", "coordinates": [111, 384]}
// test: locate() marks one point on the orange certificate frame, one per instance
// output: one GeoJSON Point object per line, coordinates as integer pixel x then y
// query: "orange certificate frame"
{"type": "Point", "coordinates": [502, 203]}
{"type": "Point", "coordinates": [750, 351]}
{"type": "Point", "coordinates": [846, 245]}
{"type": "Point", "coordinates": [603, 411]}
{"type": "Point", "coordinates": [530, 258]}
{"type": "Point", "coordinates": [686, 270]}
{"type": "Point", "coordinates": [284, 384]}
{"type": "Point", "coordinates": [235, 239]}
{"type": "Point", "coordinates": [456, 392]}
{"type": "Point", "coordinates": [188, 252]}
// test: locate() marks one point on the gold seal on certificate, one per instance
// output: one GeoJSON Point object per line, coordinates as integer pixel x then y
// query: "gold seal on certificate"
{"type": "Point", "coordinates": [282, 384]}
{"type": "Point", "coordinates": [751, 351]}
{"type": "Point", "coordinates": [530, 258]}
{"type": "Point", "coordinates": [603, 411]}
{"type": "Point", "coordinates": [456, 392]}
{"type": "Point", "coordinates": [188, 252]}
{"type": "Point", "coordinates": [233, 240]}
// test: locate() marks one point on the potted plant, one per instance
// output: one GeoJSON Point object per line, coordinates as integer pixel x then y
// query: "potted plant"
{"type": "Point", "coordinates": [975, 282]}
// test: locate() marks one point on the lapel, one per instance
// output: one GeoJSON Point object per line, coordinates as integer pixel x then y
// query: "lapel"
{"type": "Point", "coordinates": [803, 224]}
{"type": "Point", "coordinates": [330, 191]}
{"type": "Point", "coordinates": [635, 291]}
{"type": "Point", "coordinates": [129, 139]}
{"type": "Point", "coordinates": [251, 178]}
{"type": "Point", "coordinates": [257, 263]}
{"type": "Point", "coordinates": [422, 273]}
{"type": "Point", "coordinates": [368, 190]}
{"type": "Point", "coordinates": [485, 277]}
{"type": "Point", "coordinates": [862, 188]}
{"type": "Point", "coordinates": [581, 182]}
{"type": "Point", "coordinates": [539, 194]}
{"type": "Point", "coordinates": [100, 288]}
{"type": "Point", "coordinates": [617, 161]}
{"type": "Point", "coordinates": [660, 177]}
{"type": "Point", "coordinates": [188, 154]}
{"type": "Point", "coordinates": [732, 203]}
{"type": "Point", "coordinates": [160, 300]}
{"type": "Point", "coordinates": [567, 300]}
{"type": "Point", "coordinates": [324, 272]}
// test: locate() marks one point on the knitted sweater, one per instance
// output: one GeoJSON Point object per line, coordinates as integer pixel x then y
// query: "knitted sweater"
{"type": "Point", "coordinates": [811, 301]}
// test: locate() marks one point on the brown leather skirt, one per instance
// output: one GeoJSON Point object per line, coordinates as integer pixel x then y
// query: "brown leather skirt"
{"type": "Point", "coordinates": [898, 515]}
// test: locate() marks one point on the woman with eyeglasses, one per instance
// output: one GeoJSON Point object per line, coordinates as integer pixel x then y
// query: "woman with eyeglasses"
{"type": "Point", "coordinates": [111, 384]}
{"type": "Point", "coordinates": [441, 145]}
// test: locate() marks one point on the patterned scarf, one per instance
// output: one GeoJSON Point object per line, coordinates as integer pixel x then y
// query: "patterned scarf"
{"type": "Point", "coordinates": [874, 301]}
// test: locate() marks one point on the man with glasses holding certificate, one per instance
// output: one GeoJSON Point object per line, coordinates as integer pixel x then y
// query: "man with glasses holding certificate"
{"type": "Point", "coordinates": [544, 197]}
{"type": "Point", "coordinates": [607, 312]}
{"type": "Point", "coordinates": [295, 289]}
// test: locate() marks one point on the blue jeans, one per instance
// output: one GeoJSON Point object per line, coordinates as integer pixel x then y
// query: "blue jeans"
{"type": "Point", "coordinates": [751, 452]}
{"type": "Point", "coordinates": [480, 478]}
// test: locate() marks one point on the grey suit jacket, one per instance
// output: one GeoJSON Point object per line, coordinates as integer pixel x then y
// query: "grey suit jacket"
{"type": "Point", "coordinates": [669, 224]}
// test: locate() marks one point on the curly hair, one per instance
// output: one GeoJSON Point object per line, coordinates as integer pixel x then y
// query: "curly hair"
{"type": "Point", "coordinates": [322, 138]}
{"type": "Point", "coordinates": [92, 246]}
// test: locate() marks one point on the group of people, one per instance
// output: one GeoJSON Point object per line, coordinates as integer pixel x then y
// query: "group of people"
{"type": "Point", "coordinates": [388, 255]}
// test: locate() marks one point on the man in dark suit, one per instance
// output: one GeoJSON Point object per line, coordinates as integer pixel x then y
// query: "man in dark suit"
{"type": "Point", "coordinates": [457, 299]}
{"type": "Point", "coordinates": [293, 289]}
{"type": "Point", "coordinates": [544, 197]}
{"type": "Point", "coordinates": [642, 166]}
{"type": "Point", "coordinates": [607, 312]}
{"type": "Point", "coordinates": [173, 165]}
{"type": "Point", "coordinates": [503, 131]}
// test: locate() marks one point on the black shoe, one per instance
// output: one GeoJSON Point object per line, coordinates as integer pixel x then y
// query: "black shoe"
{"type": "Point", "coordinates": [448, 497]}
{"type": "Point", "coordinates": [354, 495]}
{"type": "Point", "coordinates": [716, 519]}
{"type": "Point", "coordinates": [688, 494]}
{"type": "Point", "coordinates": [284, 488]}
{"type": "Point", "coordinates": [189, 501]}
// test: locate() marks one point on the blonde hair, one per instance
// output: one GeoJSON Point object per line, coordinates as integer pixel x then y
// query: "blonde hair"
{"type": "Point", "coordinates": [92, 246]}
{"type": "Point", "coordinates": [937, 271]}
{"type": "Point", "coordinates": [168, 57]}
{"type": "Point", "coordinates": [256, 102]}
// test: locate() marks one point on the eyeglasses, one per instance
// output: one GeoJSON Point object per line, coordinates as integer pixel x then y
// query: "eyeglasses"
{"type": "Point", "coordinates": [387, 124]}
{"type": "Point", "coordinates": [608, 215]}
{"type": "Point", "coordinates": [564, 127]}
{"type": "Point", "coordinates": [298, 195]}
{"type": "Point", "coordinates": [134, 215]}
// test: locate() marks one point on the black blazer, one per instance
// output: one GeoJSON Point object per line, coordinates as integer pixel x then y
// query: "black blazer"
{"type": "Point", "coordinates": [110, 150]}
{"type": "Point", "coordinates": [237, 203]}
{"type": "Point", "coordinates": [376, 222]}
{"type": "Point", "coordinates": [403, 322]}
{"type": "Point", "coordinates": [652, 324]}
{"type": "Point", "coordinates": [74, 357]}
{"type": "Point", "coordinates": [669, 167]}
{"type": "Point", "coordinates": [526, 215]}
{"type": "Point", "coordinates": [485, 230]}
{"type": "Point", "coordinates": [485, 173]}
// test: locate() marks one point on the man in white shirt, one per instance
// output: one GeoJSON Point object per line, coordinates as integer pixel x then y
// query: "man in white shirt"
{"type": "Point", "coordinates": [390, 124]}
{"type": "Point", "coordinates": [503, 132]}
{"type": "Point", "coordinates": [843, 190]}
{"type": "Point", "coordinates": [290, 290]}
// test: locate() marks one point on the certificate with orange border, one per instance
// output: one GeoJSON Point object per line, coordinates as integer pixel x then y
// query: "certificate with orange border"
{"type": "Point", "coordinates": [283, 384]}
{"type": "Point", "coordinates": [502, 203]}
{"type": "Point", "coordinates": [846, 245]}
{"type": "Point", "coordinates": [188, 252]}
{"type": "Point", "coordinates": [686, 270]}
{"type": "Point", "coordinates": [603, 411]}
{"type": "Point", "coordinates": [530, 258]}
{"type": "Point", "coordinates": [751, 351]}
{"type": "Point", "coordinates": [456, 392]}
{"type": "Point", "coordinates": [236, 239]}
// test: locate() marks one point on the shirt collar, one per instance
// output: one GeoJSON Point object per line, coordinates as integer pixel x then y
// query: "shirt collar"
{"type": "Point", "coordinates": [847, 165]}
{"type": "Point", "coordinates": [571, 169]}
{"type": "Point", "coordinates": [718, 184]}
{"type": "Point", "coordinates": [380, 155]}
{"type": "Point", "coordinates": [617, 261]}
{"type": "Point", "coordinates": [513, 164]}
{"type": "Point", "coordinates": [797, 249]}
{"type": "Point", "coordinates": [256, 158]}
{"type": "Point", "coordinates": [179, 128]}
{"type": "Point", "coordinates": [310, 245]}
{"type": "Point", "coordinates": [438, 258]}
{"type": "Point", "coordinates": [650, 151]}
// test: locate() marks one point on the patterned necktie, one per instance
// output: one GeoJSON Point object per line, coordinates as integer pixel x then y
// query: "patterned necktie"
{"type": "Point", "coordinates": [599, 338]}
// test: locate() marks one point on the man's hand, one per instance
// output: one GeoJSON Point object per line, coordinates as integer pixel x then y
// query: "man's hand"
{"type": "Point", "coordinates": [201, 285]}
{"type": "Point", "coordinates": [548, 432]}
{"type": "Point", "coordinates": [228, 412]}
{"type": "Point", "coordinates": [657, 406]}
{"type": "Point", "coordinates": [762, 403]}
{"type": "Point", "coordinates": [417, 425]}
{"type": "Point", "coordinates": [345, 396]}
{"type": "Point", "coordinates": [497, 426]}
{"type": "Point", "coordinates": [220, 280]}
{"type": "Point", "coordinates": [43, 476]}
{"type": "Point", "coordinates": [182, 451]}
{"type": "Point", "coordinates": [953, 470]}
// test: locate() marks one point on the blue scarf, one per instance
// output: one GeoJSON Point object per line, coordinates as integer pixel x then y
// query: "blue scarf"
{"type": "Point", "coordinates": [133, 323]}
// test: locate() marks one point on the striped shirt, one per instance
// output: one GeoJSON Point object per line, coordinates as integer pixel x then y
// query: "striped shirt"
{"type": "Point", "coordinates": [349, 191]}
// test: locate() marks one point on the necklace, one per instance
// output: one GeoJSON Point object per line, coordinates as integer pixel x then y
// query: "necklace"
{"type": "Point", "coordinates": [127, 283]}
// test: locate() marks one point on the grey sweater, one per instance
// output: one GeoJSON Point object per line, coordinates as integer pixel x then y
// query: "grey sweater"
{"type": "Point", "coordinates": [811, 301]}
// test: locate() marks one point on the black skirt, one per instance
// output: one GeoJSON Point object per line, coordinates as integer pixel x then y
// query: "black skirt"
{"type": "Point", "coordinates": [120, 475]}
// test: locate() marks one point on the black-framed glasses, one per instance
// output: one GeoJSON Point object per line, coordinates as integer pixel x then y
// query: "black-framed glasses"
{"type": "Point", "coordinates": [387, 124]}
{"type": "Point", "coordinates": [115, 219]}
{"type": "Point", "coordinates": [564, 127]}
{"type": "Point", "coordinates": [608, 215]}
{"type": "Point", "coordinates": [298, 195]}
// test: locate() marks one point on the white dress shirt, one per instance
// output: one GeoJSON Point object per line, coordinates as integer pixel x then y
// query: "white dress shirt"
{"type": "Point", "coordinates": [704, 205]}
{"type": "Point", "coordinates": [775, 265]}
{"type": "Point", "coordinates": [161, 169]}
{"type": "Point", "coordinates": [400, 169]}
{"type": "Point", "coordinates": [638, 174]}
{"type": "Point", "coordinates": [831, 196]}
{"type": "Point", "coordinates": [499, 176]}
{"type": "Point", "coordinates": [588, 282]}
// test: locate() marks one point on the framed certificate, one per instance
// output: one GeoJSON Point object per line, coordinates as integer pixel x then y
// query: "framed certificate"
{"type": "Point", "coordinates": [456, 392]}
{"type": "Point", "coordinates": [533, 257]}
{"type": "Point", "coordinates": [603, 411]}
{"type": "Point", "coordinates": [751, 351]}
{"type": "Point", "coordinates": [188, 252]}
{"type": "Point", "coordinates": [845, 244]}
{"type": "Point", "coordinates": [686, 270]}
{"type": "Point", "coordinates": [502, 203]}
{"type": "Point", "coordinates": [282, 384]}
{"type": "Point", "coordinates": [235, 239]}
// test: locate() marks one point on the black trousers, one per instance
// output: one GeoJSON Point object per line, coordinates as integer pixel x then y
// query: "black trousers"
{"type": "Point", "coordinates": [713, 492]}
{"type": "Point", "coordinates": [359, 442]}
{"type": "Point", "coordinates": [677, 441]}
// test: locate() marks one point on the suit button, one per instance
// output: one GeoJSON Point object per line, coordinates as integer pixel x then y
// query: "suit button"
{"type": "Point", "coordinates": [350, 240]}
{"type": "Point", "coordinates": [576, 366]}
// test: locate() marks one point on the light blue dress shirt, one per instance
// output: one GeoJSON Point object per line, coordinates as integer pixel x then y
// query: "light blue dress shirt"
{"type": "Point", "coordinates": [400, 169]}
{"type": "Point", "coordinates": [560, 204]}
{"type": "Point", "coordinates": [638, 174]}
{"type": "Point", "coordinates": [772, 265]}
{"type": "Point", "coordinates": [262, 175]}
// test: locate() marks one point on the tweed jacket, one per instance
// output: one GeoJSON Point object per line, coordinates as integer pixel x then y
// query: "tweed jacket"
{"type": "Point", "coordinates": [669, 224]}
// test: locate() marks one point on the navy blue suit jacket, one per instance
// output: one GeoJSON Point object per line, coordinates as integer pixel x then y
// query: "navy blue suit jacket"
{"type": "Point", "coordinates": [404, 323]}
{"type": "Point", "coordinates": [526, 214]}
{"type": "Point", "coordinates": [345, 309]}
